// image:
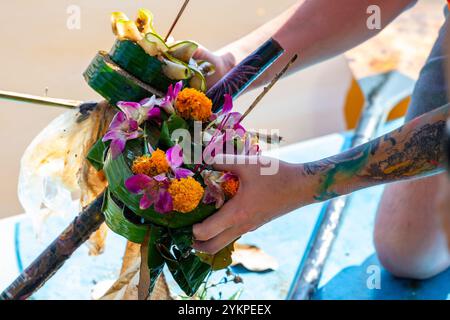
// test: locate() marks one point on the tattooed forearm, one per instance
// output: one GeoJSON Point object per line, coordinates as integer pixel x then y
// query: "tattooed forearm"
{"type": "Point", "coordinates": [413, 150]}
{"type": "Point", "coordinates": [421, 153]}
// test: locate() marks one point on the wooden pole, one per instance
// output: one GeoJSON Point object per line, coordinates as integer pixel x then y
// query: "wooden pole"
{"type": "Point", "coordinates": [54, 256]}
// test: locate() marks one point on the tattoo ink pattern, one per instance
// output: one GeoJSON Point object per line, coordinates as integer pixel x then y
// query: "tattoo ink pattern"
{"type": "Point", "coordinates": [334, 169]}
{"type": "Point", "coordinates": [419, 154]}
{"type": "Point", "coordinates": [413, 150]}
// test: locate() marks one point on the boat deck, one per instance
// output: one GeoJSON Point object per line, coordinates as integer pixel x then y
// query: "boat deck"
{"type": "Point", "coordinates": [350, 267]}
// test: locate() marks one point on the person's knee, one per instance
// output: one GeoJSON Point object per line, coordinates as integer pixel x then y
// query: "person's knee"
{"type": "Point", "coordinates": [408, 236]}
{"type": "Point", "coordinates": [403, 260]}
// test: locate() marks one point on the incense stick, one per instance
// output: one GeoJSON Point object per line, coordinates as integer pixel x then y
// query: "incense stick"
{"type": "Point", "coordinates": [268, 87]}
{"type": "Point", "coordinates": [176, 19]}
{"type": "Point", "coordinates": [23, 97]}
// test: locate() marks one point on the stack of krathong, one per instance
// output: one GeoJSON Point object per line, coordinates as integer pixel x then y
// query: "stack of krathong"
{"type": "Point", "coordinates": [141, 63]}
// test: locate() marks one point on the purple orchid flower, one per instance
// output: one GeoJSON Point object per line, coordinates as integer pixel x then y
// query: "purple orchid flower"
{"type": "Point", "coordinates": [251, 146]}
{"type": "Point", "coordinates": [121, 129]}
{"type": "Point", "coordinates": [226, 118]}
{"type": "Point", "coordinates": [125, 125]}
{"type": "Point", "coordinates": [228, 128]}
{"type": "Point", "coordinates": [213, 148]}
{"type": "Point", "coordinates": [151, 108]}
{"type": "Point", "coordinates": [174, 157]}
{"type": "Point", "coordinates": [153, 190]}
{"type": "Point", "coordinates": [167, 103]}
{"type": "Point", "coordinates": [142, 111]}
{"type": "Point", "coordinates": [213, 191]}
{"type": "Point", "coordinates": [225, 143]}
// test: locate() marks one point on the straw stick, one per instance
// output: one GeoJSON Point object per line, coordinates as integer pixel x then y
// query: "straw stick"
{"type": "Point", "coordinates": [176, 19]}
{"type": "Point", "coordinates": [23, 97]}
{"type": "Point", "coordinates": [268, 87]}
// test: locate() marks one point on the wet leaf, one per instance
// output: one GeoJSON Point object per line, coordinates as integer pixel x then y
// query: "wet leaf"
{"type": "Point", "coordinates": [220, 260]}
{"type": "Point", "coordinates": [96, 155]}
{"type": "Point", "coordinates": [253, 258]}
{"type": "Point", "coordinates": [189, 272]}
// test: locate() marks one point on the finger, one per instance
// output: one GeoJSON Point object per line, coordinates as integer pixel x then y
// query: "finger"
{"type": "Point", "coordinates": [229, 162]}
{"type": "Point", "coordinates": [218, 222]}
{"type": "Point", "coordinates": [201, 53]}
{"type": "Point", "coordinates": [217, 243]}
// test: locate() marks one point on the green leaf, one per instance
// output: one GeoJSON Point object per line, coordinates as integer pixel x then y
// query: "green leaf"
{"type": "Point", "coordinates": [117, 171]}
{"type": "Point", "coordinates": [164, 138]}
{"type": "Point", "coordinates": [220, 260]}
{"type": "Point", "coordinates": [152, 133]}
{"type": "Point", "coordinates": [182, 238]}
{"type": "Point", "coordinates": [96, 155]}
{"type": "Point", "coordinates": [236, 295]}
{"type": "Point", "coordinates": [176, 122]}
{"type": "Point", "coordinates": [155, 261]}
{"type": "Point", "coordinates": [168, 127]}
{"type": "Point", "coordinates": [117, 222]}
{"type": "Point", "coordinates": [189, 272]}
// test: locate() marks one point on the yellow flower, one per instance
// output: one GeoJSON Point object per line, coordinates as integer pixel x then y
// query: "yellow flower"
{"type": "Point", "coordinates": [193, 104]}
{"type": "Point", "coordinates": [151, 165]}
{"type": "Point", "coordinates": [186, 194]}
{"type": "Point", "coordinates": [230, 186]}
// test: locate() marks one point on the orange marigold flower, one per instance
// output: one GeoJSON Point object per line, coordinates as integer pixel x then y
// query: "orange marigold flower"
{"type": "Point", "coordinates": [151, 165]}
{"type": "Point", "coordinates": [193, 104]}
{"type": "Point", "coordinates": [230, 186]}
{"type": "Point", "coordinates": [186, 194]}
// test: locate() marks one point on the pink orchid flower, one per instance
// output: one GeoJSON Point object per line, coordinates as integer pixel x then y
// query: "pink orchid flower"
{"type": "Point", "coordinates": [125, 124]}
{"type": "Point", "coordinates": [213, 191]}
{"type": "Point", "coordinates": [174, 156]}
{"type": "Point", "coordinates": [153, 190]}
{"type": "Point", "coordinates": [121, 129]}
{"type": "Point", "coordinates": [227, 119]}
{"type": "Point", "coordinates": [226, 142]}
{"type": "Point", "coordinates": [227, 129]}
{"type": "Point", "coordinates": [167, 103]}
{"type": "Point", "coordinates": [142, 111]}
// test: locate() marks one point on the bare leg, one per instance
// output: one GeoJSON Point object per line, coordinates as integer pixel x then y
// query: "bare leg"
{"type": "Point", "coordinates": [408, 236]}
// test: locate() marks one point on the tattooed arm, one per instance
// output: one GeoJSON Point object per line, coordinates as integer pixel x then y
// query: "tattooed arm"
{"type": "Point", "coordinates": [414, 150]}
{"type": "Point", "coordinates": [316, 30]}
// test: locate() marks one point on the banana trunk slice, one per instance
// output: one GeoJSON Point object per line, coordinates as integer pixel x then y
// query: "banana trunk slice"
{"type": "Point", "coordinates": [133, 59]}
{"type": "Point", "coordinates": [114, 83]}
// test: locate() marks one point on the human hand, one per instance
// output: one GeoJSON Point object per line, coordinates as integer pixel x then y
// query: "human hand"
{"type": "Point", "coordinates": [260, 199]}
{"type": "Point", "coordinates": [223, 63]}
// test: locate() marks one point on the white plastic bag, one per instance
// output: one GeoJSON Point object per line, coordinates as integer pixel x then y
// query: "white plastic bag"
{"type": "Point", "coordinates": [54, 173]}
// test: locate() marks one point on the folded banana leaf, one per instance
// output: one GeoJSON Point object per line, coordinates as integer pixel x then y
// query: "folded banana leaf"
{"type": "Point", "coordinates": [189, 269]}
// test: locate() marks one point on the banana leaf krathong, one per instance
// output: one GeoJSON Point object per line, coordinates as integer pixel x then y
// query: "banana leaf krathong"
{"type": "Point", "coordinates": [189, 269]}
